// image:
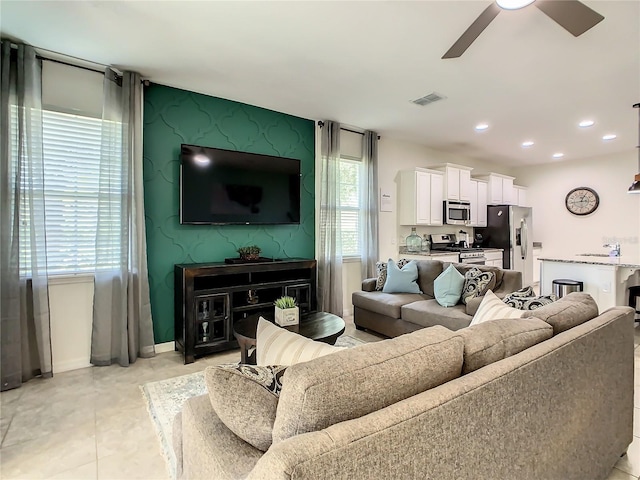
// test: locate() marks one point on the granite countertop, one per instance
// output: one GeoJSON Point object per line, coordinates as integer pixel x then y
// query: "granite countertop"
{"type": "Point", "coordinates": [622, 261]}
{"type": "Point", "coordinates": [403, 251]}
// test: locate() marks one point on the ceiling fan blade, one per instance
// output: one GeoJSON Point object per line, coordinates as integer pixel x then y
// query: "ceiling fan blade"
{"type": "Point", "coordinates": [471, 33]}
{"type": "Point", "coordinates": [572, 15]}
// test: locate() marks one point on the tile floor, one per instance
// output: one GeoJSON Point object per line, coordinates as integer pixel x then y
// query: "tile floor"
{"type": "Point", "coordinates": [93, 424]}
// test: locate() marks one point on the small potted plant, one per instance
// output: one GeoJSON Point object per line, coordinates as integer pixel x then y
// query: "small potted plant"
{"type": "Point", "coordinates": [251, 252]}
{"type": "Point", "coordinates": [287, 312]}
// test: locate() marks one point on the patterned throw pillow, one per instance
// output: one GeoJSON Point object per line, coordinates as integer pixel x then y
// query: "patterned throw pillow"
{"type": "Point", "coordinates": [476, 284]}
{"type": "Point", "coordinates": [528, 303]}
{"type": "Point", "coordinates": [381, 268]}
{"type": "Point", "coordinates": [245, 398]}
{"type": "Point", "coordinates": [526, 292]}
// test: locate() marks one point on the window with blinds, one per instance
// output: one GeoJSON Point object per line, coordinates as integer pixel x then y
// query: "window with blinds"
{"type": "Point", "coordinates": [350, 206]}
{"type": "Point", "coordinates": [71, 152]}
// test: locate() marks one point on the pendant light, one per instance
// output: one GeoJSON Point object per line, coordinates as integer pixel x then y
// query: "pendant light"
{"type": "Point", "coordinates": [635, 186]}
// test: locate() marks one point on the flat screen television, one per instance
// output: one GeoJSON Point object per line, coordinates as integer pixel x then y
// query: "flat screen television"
{"type": "Point", "coordinates": [222, 187]}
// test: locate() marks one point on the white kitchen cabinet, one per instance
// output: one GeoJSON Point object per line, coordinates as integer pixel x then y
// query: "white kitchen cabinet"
{"type": "Point", "coordinates": [499, 189]}
{"type": "Point", "coordinates": [478, 203]}
{"type": "Point", "coordinates": [520, 196]}
{"type": "Point", "coordinates": [493, 258]}
{"type": "Point", "coordinates": [457, 181]}
{"type": "Point", "coordinates": [482, 203]}
{"type": "Point", "coordinates": [473, 217]}
{"type": "Point", "coordinates": [420, 197]}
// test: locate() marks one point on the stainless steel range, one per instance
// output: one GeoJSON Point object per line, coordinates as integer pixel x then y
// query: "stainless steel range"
{"type": "Point", "coordinates": [447, 242]}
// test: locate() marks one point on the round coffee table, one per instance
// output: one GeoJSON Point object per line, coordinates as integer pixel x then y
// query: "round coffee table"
{"type": "Point", "coordinates": [321, 326]}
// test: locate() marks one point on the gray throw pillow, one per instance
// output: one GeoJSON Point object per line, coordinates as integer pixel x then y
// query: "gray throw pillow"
{"type": "Point", "coordinates": [381, 268]}
{"type": "Point", "coordinates": [476, 284]}
{"type": "Point", "coordinates": [245, 398]}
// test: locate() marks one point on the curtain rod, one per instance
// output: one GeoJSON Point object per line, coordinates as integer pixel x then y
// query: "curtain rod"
{"type": "Point", "coordinates": [321, 124]}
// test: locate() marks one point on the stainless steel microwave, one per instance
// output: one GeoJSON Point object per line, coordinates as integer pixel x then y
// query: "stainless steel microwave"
{"type": "Point", "coordinates": [457, 213]}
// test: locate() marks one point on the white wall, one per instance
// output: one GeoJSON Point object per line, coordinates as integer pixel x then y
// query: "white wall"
{"type": "Point", "coordinates": [71, 309]}
{"type": "Point", "coordinates": [616, 219]}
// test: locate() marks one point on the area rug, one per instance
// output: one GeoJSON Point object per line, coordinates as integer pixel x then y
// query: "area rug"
{"type": "Point", "coordinates": [165, 398]}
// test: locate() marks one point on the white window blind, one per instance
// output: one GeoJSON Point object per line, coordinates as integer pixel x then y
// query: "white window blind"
{"type": "Point", "coordinates": [71, 152]}
{"type": "Point", "coordinates": [350, 206]}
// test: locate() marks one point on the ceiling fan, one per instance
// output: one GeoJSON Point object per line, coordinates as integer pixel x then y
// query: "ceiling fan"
{"type": "Point", "coordinates": [573, 15]}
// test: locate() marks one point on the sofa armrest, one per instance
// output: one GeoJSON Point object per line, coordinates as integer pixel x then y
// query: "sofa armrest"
{"type": "Point", "coordinates": [369, 284]}
{"type": "Point", "coordinates": [511, 282]}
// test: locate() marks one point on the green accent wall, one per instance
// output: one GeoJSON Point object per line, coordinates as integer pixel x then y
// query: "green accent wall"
{"type": "Point", "coordinates": [173, 117]}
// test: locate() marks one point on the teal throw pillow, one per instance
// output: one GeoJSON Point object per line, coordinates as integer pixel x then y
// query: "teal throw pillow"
{"type": "Point", "coordinates": [401, 280]}
{"type": "Point", "coordinates": [447, 288]}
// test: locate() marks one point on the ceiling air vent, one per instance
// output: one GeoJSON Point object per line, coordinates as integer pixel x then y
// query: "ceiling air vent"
{"type": "Point", "coordinates": [427, 99]}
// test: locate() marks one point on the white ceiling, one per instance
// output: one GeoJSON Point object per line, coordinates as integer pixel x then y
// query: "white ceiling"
{"type": "Point", "coordinates": [360, 63]}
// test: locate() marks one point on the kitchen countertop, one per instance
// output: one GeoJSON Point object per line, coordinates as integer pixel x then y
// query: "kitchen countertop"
{"type": "Point", "coordinates": [431, 253]}
{"type": "Point", "coordinates": [622, 261]}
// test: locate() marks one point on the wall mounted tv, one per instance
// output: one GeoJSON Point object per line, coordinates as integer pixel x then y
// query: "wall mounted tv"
{"type": "Point", "coordinates": [222, 187]}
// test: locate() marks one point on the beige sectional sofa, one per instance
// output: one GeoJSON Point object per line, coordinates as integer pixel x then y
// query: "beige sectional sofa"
{"type": "Point", "coordinates": [394, 314]}
{"type": "Point", "coordinates": [543, 399]}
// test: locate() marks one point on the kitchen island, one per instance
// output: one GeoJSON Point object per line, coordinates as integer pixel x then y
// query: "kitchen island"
{"type": "Point", "coordinates": [605, 278]}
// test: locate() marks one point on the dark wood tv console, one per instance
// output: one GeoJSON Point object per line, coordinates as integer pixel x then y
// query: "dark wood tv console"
{"type": "Point", "coordinates": [211, 297]}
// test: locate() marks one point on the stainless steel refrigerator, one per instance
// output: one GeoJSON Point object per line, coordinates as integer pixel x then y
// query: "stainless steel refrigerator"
{"type": "Point", "coordinates": [509, 227]}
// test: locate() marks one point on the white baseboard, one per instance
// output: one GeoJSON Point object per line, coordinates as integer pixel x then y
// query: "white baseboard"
{"type": "Point", "coordinates": [68, 365]}
{"type": "Point", "coordinates": [165, 347]}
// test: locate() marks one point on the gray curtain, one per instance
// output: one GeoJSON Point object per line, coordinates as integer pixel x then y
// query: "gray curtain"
{"type": "Point", "coordinates": [122, 327]}
{"type": "Point", "coordinates": [25, 334]}
{"type": "Point", "coordinates": [370, 250]}
{"type": "Point", "coordinates": [329, 241]}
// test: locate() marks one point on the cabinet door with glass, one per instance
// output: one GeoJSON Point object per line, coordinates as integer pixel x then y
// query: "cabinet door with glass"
{"type": "Point", "coordinates": [212, 318]}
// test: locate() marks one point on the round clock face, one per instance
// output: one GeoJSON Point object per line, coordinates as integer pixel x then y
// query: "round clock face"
{"type": "Point", "coordinates": [582, 201]}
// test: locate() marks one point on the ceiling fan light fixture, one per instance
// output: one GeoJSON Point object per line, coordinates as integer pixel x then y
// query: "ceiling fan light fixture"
{"type": "Point", "coordinates": [513, 4]}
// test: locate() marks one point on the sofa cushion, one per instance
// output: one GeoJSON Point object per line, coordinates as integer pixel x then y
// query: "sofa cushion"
{"type": "Point", "coordinates": [278, 346]}
{"type": "Point", "coordinates": [401, 280]}
{"type": "Point", "coordinates": [447, 288]}
{"type": "Point", "coordinates": [494, 340]}
{"type": "Point", "coordinates": [364, 379]}
{"type": "Point", "coordinates": [567, 312]}
{"type": "Point", "coordinates": [245, 398]}
{"type": "Point", "coordinates": [429, 313]}
{"type": "Point", "coordinates": [476, 284]}
{"type": "Point", "coordinates": [384, 303]}
{"type": "Point", "coordinates": [492, 308]}
{"type": "Point", "coordinates": [381, 268]}
{"type": "Point", "coordinates": [428, 271]}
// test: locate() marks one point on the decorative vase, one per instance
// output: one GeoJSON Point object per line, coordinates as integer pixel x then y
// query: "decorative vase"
{"type": "Point", "coordinates": [287, 316]}
{"type": "Point", "coordinates": [414, 242]}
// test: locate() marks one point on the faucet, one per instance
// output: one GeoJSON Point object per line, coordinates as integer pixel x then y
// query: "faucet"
{"type": "Point", "coordinates": [615, 249]}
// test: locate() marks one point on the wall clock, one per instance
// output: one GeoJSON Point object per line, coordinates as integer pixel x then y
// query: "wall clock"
{"type": "Point", "coordinates": [582, 201]}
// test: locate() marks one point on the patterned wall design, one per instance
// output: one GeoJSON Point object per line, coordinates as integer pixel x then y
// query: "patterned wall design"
{"type": "Point", "coordinates": [173, 117]}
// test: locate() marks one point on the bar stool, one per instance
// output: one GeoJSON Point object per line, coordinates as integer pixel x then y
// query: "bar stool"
{"type": "Point", "coordinates": [564, 286]}
{"type": "Point", "coordinates": [634, 300]}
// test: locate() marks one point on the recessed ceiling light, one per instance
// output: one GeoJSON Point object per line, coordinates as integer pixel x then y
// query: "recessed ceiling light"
{"type": "Point", "coordinates": [586, 123]}
{"type": "Point", "coordinates": [482, 126]}
{"type": "Point", "coordinates": [527, 144]}
{"type": "Point", "coordinates": [558, 155]}
{"type": "Point", "coordinates": [513, 4]}
{"type": "Point", "coordinates": [609, 136]}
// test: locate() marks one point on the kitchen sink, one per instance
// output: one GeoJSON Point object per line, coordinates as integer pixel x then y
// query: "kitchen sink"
{"type": "Point", "coordinates": [593, 254]}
